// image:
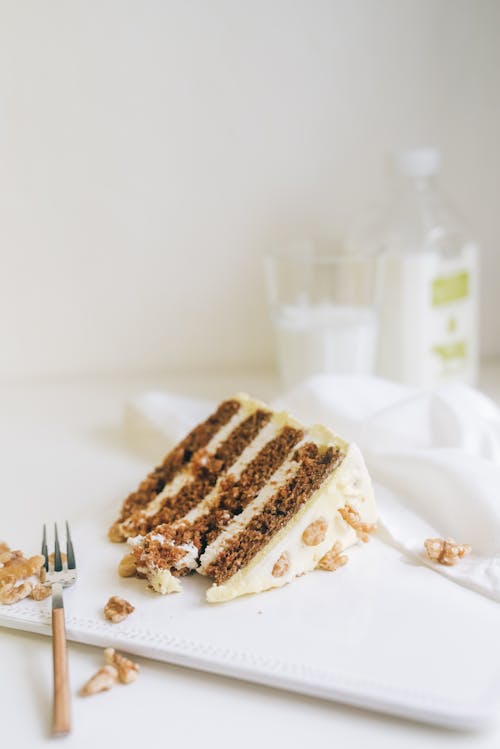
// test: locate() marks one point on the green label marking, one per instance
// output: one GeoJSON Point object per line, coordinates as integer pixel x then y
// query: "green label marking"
{"type": "Point", "coordinates": [446, 289]}
{"type": "Point", "coordinates": [451, 351]}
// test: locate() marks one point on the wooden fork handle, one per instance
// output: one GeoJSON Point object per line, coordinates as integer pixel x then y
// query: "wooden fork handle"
{"type": "Point", "coordinates": [61, 717]}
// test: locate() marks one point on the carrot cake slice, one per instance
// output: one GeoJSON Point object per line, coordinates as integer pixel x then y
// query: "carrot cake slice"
{"type": "Point", "coordinates": [250, 498]}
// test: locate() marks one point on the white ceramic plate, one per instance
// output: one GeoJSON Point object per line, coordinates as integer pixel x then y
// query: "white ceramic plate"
{"type": "Point", "coordinates": [379, 633]}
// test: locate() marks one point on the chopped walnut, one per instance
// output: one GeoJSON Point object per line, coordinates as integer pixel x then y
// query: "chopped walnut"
{"type": "Point", "coordinates": [117, 609]}
{"type": "Point", "coordinates": [315, 533]}
{"type": "Point", "coordinates": [9, 555]}
{"type": "Point", "coordinates": [353, 518]}
{"type": "Point", "coordinates": [16, 567]}
{"type": "Point", "coordinates": [127, 669]}
{"type": "Point", "coordinates": [281, 566]}
{"type": "Point", "coordinates": [104, 679]}
{"type": "Point", "coordinates": [333, 559]}
{"type": "Point", "coordinates": [11, 593]}
{"type": "Point", "coordinates": [16, 573]}
{"type": "Point", "coordinates": [115, 533]}
{"type": "Point", "coordinates": [40, 592]}
{"type": "Point", "coordinates": [127, 567]}
{"type": "Point", "coordinates": [445, 550]}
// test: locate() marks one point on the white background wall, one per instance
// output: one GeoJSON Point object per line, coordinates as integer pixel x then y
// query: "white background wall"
{"type": "Point", "coordinates": [151, 150]}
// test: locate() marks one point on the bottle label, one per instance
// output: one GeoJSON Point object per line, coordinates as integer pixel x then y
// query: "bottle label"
{"type": "Point", "coordinates": [446, 289]}
{"type": "Point", "coordinates": [428, 317]}
{"type": "Point", "coordinates": [451, 318]}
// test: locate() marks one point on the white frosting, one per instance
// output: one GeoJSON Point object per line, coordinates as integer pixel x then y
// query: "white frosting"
{"type": "Point", "coordinates": [191, 558]}
{"type": "Point", "coordinates": [134, 541]}
{"type": "Point", "coordinates": [162, 581]}
{"type": "Point", "coordinates": [349, 483]}
{"type": "Point", "coordinates": [157, 537]}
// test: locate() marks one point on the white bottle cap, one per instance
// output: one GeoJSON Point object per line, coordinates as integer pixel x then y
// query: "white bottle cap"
{"type": "Point", "coordinates": [419, 162]}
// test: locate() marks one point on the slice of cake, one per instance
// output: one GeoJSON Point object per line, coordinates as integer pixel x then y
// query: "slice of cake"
{"type": "Point", "coordinates": [250, 498]}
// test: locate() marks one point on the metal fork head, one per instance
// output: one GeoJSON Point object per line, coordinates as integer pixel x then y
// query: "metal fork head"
{"type": "Point", "coordinates": [59, 570]}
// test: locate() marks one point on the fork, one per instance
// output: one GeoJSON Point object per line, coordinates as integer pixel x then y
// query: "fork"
{"type": "Point", "coordinates": [59, 574]}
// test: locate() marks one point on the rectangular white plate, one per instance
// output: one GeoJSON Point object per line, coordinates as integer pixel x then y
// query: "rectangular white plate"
{"type": "Point", "coordinates": [380, 633]}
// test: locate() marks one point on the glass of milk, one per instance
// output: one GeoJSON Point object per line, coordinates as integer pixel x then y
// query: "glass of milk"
{"type": "Point", "coordinates": [323, 310]}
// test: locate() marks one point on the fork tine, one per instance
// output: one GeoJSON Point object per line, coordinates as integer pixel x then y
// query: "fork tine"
{"type": "Point", "coordinates": [57, 551]}
{"type": "Point", "coordinates": [44, 549]}
{"type": "Point", "coordinates": [69, 549]}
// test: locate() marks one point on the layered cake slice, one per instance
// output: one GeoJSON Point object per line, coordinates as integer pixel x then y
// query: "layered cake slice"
{"type": "Point", "coordinates": [250, 498]}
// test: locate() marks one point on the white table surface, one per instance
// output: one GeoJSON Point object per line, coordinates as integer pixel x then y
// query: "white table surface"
{"type": "Point", "coordinates": [168, 704]}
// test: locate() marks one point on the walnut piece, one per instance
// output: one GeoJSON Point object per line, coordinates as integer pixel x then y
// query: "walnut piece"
{"type": "Point", "coordinates": [104, 679]}
{"type": "Point", "coordinates": [11, 593]}
{"type": "Point", "coordinates": [40, 592]}
{"type": "Point", "coordinates": [445, 550]}
{"type": "Point", "coordinates": [127, 567]}
{"type": "Point", "coordinates": [281, 566]}
{"type": "Point", "coordinates": [117, 609]}
{"type": "Point", "coordinates": [16, 567]}
{"type": "Point", "coordinates": [127, 669]}
{"type": "Point", "coordinates": [353, 518]}
{"type": "Point", "coordinates": [333, 559]}
{"type": "Point", "coordinates": [315, 533]}
{"type": "Point", "coordinates": [15, 574]}
{"type": "Point", "coordinates": [9, 555]}
{"type": "Point", "coordinates": [115, 533]}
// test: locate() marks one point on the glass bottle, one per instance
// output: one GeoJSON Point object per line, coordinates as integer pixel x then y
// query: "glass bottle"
{"type": "Point", "coordinates": [429, 280]}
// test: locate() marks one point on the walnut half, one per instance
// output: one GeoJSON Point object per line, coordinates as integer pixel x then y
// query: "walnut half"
{"type": "Point", "coordinates": [281, 566]}
{"type": "Point", "coordinates": [11, 593]}
{"type": "Point", "coordinates": [127, 669]}
{"type": "Point", "coordinates": [445, 550]}
{"type": "Point", "coordinates": [117, 609]}
{"type": "Point", "coordinates": [104, 679]}
{"type": "Point", "coordinates": [353, 518]}
{"type": "Point", "coordinates": [127, 567]}
{"type": "Point", "coordinates": [315, 533]}
{"type": "Point", "coordinates": [333, 559]}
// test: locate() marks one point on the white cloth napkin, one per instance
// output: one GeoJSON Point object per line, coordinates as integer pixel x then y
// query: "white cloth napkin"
{"type": "Point", "coordinates": [434, 457]}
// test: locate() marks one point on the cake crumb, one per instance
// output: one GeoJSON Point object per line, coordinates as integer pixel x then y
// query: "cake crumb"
{"type": "Point", "coordinates": [117, 609]}
{"type": "Point", "coordinates": [445, 550]}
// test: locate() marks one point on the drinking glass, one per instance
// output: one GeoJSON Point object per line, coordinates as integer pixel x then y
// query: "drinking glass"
{"type": "Point", "coordinates": [323, 311]}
